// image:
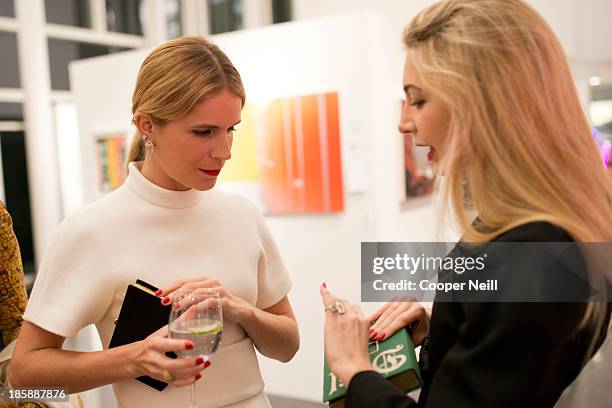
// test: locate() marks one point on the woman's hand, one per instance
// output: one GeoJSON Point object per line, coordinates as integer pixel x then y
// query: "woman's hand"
{"type": "Point", "coordinates": [395, 316]}
{"type": "Point", "coordinates": [346, 339]}
{"type": "Point", "coordinates": [150, 359]}
{"type": "Point", "coordinates": [235, 309]}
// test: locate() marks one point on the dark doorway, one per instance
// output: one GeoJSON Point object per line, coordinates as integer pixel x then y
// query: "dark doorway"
{"type": "Point", "coordinates": [17, 196]}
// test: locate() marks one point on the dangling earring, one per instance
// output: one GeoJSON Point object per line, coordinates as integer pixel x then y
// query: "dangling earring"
{"type": "Point", "coordinates": [148, 144]}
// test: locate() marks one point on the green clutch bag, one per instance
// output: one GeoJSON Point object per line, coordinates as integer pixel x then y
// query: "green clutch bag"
{"type": "Point", "coordinates": [394, 358]}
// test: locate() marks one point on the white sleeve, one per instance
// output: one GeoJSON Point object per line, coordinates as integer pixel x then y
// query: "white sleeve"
{"type": "Point", "coordinates": [273, 281]}
{"type": "Point", "coordinates": [70, 290]}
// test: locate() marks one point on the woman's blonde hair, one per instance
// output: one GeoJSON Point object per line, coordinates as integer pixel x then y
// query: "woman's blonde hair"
{"type": "Point", "coordinates": [519, 147]}
{"type": "Point", "coordinates": [175, 77]}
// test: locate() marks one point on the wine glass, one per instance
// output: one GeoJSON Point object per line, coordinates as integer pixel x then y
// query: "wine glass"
{"type": "Point", "coordinates": [197, 317]}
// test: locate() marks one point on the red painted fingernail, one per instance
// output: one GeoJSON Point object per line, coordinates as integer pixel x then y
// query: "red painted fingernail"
{"type": "Point", "coordinates": [199, 361]}
{"type": "Point", "coordinates": [188, 346]}
{"type": "Point", "coordinates": [382, 337]}
{"type": "Point", "coordinates": [324, 285]}
{"type": "Point", "coordinates": [373, 335]}
{"type": "Point", "coordinates": [206, 364]}
{"type": "Point", "coordinates": [159, 292]}
{"type": "Point", "coordinates": [198, 376]}
{"type": "Point", "coordinates": [165, 301]}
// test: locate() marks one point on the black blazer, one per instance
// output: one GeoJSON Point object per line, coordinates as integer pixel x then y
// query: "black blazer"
{"type": "Point", "coordinates": [492, 354]}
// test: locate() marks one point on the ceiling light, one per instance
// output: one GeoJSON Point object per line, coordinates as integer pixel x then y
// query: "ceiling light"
{"type": "Point", "coordinates": [594, 81]}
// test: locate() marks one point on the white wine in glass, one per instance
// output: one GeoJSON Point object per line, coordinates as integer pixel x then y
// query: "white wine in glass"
{"type": "Point", "coordinates": [197, 317]}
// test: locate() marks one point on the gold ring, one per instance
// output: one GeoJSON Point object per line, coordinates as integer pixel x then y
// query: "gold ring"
{"type": "Point", "coordinates": [167, 376]}
{"type": "Point", "coordinates": [337, 307]}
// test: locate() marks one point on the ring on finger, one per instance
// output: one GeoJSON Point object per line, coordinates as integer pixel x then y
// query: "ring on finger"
{"type": "Point", "coordinates": [167, 376]}
{"type": "Point", "coordinates": [336, 307]}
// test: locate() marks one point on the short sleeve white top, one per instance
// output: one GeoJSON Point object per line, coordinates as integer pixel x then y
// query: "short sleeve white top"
{"type": "Point", "coordinates": [142, 231]}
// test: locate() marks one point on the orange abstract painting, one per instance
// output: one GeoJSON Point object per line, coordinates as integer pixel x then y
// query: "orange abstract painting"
{"type": "Point", "coordinates": [301, 168]}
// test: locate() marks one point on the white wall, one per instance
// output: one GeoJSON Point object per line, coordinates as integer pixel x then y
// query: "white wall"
{"type": "Point", "coordinates": [360, 56]}
{"type": "Point", "coordinates": [583, 27]}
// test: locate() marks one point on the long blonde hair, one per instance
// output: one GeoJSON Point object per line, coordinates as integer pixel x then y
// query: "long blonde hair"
{"type": "Point", "coordinates": [175, 77]}
{"type": "Point", "coordinates": [519, 146]}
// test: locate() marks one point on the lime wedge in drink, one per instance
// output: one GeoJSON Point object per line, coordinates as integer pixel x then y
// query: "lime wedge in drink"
{"type": "Point", "coordinates": [205, 329]}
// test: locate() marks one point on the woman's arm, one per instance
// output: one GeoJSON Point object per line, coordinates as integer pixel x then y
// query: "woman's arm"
{"type": "Point", "coordinates": [346, 352]}
{"type": "Point", "coordinates": [38, 360]}
{"type": "Point", "coordinates": [274, 330]}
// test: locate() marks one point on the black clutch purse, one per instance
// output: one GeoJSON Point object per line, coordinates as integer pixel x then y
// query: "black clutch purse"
{"type": "Point", "coordinates": [141, 314]}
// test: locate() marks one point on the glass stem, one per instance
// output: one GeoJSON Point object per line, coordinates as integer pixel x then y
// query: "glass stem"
{"type": "Point", "coordinates": [192, 398]}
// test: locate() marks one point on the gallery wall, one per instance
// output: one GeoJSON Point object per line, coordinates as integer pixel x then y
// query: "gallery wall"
{"type": "Point", "coordinates": [582, 26]}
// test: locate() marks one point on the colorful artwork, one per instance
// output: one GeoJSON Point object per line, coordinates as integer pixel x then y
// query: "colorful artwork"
{"type": "Point", "coordinates": [286, 156]}
{"type": "Point", "coordinates": [419, 176]}
{"type": "Point", "coordinates": [600, 113]}
{"type": "Point", "coordinates": [302, 170]}
{"type": "Point", "coordinates": [605, 148]}
{"type": "Point", "coordinates": [111, 162]}
{"type": "Point", "coordinates": [606, 152]}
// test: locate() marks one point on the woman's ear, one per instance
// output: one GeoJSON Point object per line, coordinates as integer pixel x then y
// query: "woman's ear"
{"type": "Point", "coordinates": [144, 124]}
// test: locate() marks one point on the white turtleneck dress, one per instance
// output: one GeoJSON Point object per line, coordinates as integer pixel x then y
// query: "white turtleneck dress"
{"type": "Point", "coordinates": [142, 231]}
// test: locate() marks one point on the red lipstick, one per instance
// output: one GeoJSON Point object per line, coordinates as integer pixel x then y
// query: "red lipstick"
{"type": "Point", "coordinates": [213, 173]}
